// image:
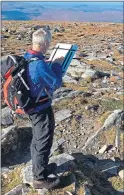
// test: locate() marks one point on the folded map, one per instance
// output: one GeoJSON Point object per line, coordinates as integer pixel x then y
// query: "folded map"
{"type": "Point", "coordinates": [63, 50]}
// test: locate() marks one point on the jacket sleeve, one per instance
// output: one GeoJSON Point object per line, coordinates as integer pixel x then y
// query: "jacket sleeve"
{"type": "Point", "coordinates": [51, 78]}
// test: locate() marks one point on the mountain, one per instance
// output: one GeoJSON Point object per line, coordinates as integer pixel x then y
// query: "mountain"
{"type": "Point", "coordinates": [65, 11]}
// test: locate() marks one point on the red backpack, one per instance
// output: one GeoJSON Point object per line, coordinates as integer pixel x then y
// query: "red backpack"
{"type": "Point", "coordinates": [16, 91]}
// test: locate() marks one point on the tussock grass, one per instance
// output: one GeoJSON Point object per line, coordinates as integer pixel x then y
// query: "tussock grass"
{"type": "Point", "coordinates": [13, 179]}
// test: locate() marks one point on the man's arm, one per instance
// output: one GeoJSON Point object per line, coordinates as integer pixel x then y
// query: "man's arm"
{"type": "Point", "coordinates": [52, 77]}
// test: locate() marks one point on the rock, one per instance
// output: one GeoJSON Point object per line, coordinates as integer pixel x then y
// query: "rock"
{"type": "Point", "coordinates": [20, 37]}
{"type": "Point", "coordinates": [62, 115]}
{"type": "Point", "coordinates": [92, 107]}
{"type": "Point", "coordinates": [61, 92]}
{"type": "Point", "coordinates": [64, 162]}
{"type": "Point", "coordinates": [87, 190]}
{"type": "Point", "coordinates": [56, 29]}
{"type": "Point", "coordinates": [15, 191]}
{"type": "Point", "coordinates": [75, 72]}
{"type": "Point", "coordinates": [121, 174]}
{"type": "Point", "coordinates": [6, 118]}
{"type": "Point", "coordinates": [68, 193]}
{"type": "Point", "coordinates": [36, 27]}
{"type": "Point", "coordinates": [113, 119]}
{"type": "Point", "coordinates": [103, 149]}
{"type": "Point", "coordinates": [68, 79]}
{"type": "Point", "coordinates": [4, 29]}
{"type": "Point", "coordinates": [75, 93]}
{"type": "Point", "coordinates": [42, 191]}
{"type": "Point", "coordinates": [7, 130]}
{"type": "Point", "coordinates": [4, 36]}
{"type": "Point", "coordinates": [75, 62]}
{"type": "Point", "coordinates": [9, 139]}
{"type": "Point", "coordinates": [94, 74]}
{"type": "Point", "coordinates": [56, 145]}
{"type": "Point", "coordinates": [46, 27]}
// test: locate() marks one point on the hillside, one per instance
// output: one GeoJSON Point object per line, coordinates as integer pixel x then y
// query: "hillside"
{"type": "Point", "coordinates": [90, 99]}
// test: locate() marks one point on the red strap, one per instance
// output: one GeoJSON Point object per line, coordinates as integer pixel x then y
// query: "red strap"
{"type": "Point", "coordinates": [8, 73]}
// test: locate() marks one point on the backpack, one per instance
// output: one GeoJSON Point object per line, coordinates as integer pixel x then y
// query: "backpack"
{"type": "Point", "coordinates": [16, 91]}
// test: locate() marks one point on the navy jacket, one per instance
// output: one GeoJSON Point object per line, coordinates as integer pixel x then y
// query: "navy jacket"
{"type": "Point", "coordinates": [40, 75]}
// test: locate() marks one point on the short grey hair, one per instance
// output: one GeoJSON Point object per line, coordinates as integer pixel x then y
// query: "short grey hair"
{"type": "Point", "coordinates": [40, 36]}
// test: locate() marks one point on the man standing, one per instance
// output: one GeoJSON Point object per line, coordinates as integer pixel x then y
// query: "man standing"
{"type": "Point", "coordinates": [43, 81]}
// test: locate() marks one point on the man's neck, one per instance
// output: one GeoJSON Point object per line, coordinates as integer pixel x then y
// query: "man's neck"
{"type": "Point", "coordinates": [37, 49]}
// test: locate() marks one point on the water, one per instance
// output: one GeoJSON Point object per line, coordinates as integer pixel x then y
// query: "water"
{"type": "Point", "coordinates": [32, 10]}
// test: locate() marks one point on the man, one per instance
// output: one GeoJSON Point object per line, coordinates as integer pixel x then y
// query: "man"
{"type": "Point", "coordinates": [42, 81]}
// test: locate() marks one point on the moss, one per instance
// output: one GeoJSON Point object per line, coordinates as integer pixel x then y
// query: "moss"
{"type": "Point", "coordinates": [104, 117]}
{"type": "Point", "coordinates": [13, 179]}
{"type": "Point", "coordinates": [111, 104]}
{"type": "Point", "coordinates": [74, 86]}
{"type": "Point", "coordinates": [117, 183]}
{"type": "Point", "coordinates": [32, 192]}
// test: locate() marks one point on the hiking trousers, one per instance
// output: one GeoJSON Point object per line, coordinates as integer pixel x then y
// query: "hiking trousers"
{"type": "Point", "coordinates": [43, 125]}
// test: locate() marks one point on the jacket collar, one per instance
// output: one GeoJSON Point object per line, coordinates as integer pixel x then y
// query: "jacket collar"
{"type": "Point", "coordinates": [39, 54]}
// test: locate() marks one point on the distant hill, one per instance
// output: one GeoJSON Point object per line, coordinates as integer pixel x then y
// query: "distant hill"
{"type": "Point", "coordinates": [63, 11]}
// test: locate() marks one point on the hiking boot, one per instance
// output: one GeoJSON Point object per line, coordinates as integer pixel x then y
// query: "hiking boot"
{"type": "Point", "coordinates": [50, 183]}
{"type": "Point", "coordinates": [50, 169]}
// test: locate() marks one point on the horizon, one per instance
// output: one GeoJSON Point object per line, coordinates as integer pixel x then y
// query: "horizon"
{"type": "Point", "coordinates": [89, 11]}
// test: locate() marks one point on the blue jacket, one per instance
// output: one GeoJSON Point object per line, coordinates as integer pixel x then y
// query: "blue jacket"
{"type": "Point", "coordinates": [40, 75]}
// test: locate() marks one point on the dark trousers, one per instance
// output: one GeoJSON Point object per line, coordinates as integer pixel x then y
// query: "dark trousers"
{"type": "Point", "coordinates": [43, 125]}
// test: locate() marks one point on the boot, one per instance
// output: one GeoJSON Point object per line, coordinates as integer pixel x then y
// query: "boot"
{"type": "Point", "coordinates": [50, 183]}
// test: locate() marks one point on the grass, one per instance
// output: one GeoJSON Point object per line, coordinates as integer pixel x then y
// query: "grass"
{"type": "Point", "coordinates": [104, 117]}
{"type": "Point", "coordinates": [117, 183]}
{"type": "Point", "coordinates": [13, 179]}
{"type": "Point", "coordinates": [111, 104]}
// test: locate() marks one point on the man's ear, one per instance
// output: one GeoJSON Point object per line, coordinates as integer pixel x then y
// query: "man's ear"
{"type": "Point", "coordinates": [45, 43]}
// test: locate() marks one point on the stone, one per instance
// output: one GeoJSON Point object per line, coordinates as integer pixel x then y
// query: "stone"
{"type": "Point", "coordinates": [87, 190]}
{"type": "Point", "coordinates": [6, 118]}
{"type": "Point", "coordinates": [15, 191]}
{"type": "Point", "coordinates": [92, 107]}
{"type": "Point", "coordinates": [94, 74]}
{"type": "Point", "coordinates": [113, 119]}
{"type": "Point", "coordinates": [64, 162]}
{"type": "Point", "coordinates": [75, 93]}
{"type": "Point", "coordinates": [62, 115]}
{"type": "Point", "coordinates": [56, 145]}
{"type": "Point", "coordinates": [4, 29]}
{"type": "Point", "coordinates": [61, 92]}
{"type": "Point", "coordinates": [75, 62]}
{"type": "Point", "coordinates": [42, 191]}
{"type": "Point", "coordinates": [36, 27]}
{"type": "Point", "coordinates": [7, 130]}
{"type": "Point", "coordinates": [75, 72]}
{"type": "Point", "coordinates": [121, 174]}
{"type": "Point", "coordinates": [103, 149]}
{"type": "Point", "coordinates": [68, 79]}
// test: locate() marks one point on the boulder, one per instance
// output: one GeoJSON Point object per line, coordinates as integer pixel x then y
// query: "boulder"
{"type": "Point", "coordinates": [15, 191]}
{"type": "Point", "coordinates": [68, 79]}
{"type": "Point", "coordinates": [62, 115]}
{"type": "Point", "coordinates": [7, 118]}
{"type": "Point", "coordinates": [103, 149]}
{"type": "Point", "coordinates": [94, 74]}
{"type": "Point", "coordinates": [65, 162]}
{"type": "Point", "coordinates": [7, 130]}
{"type": "Point", "coordinates": [121, 174]}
